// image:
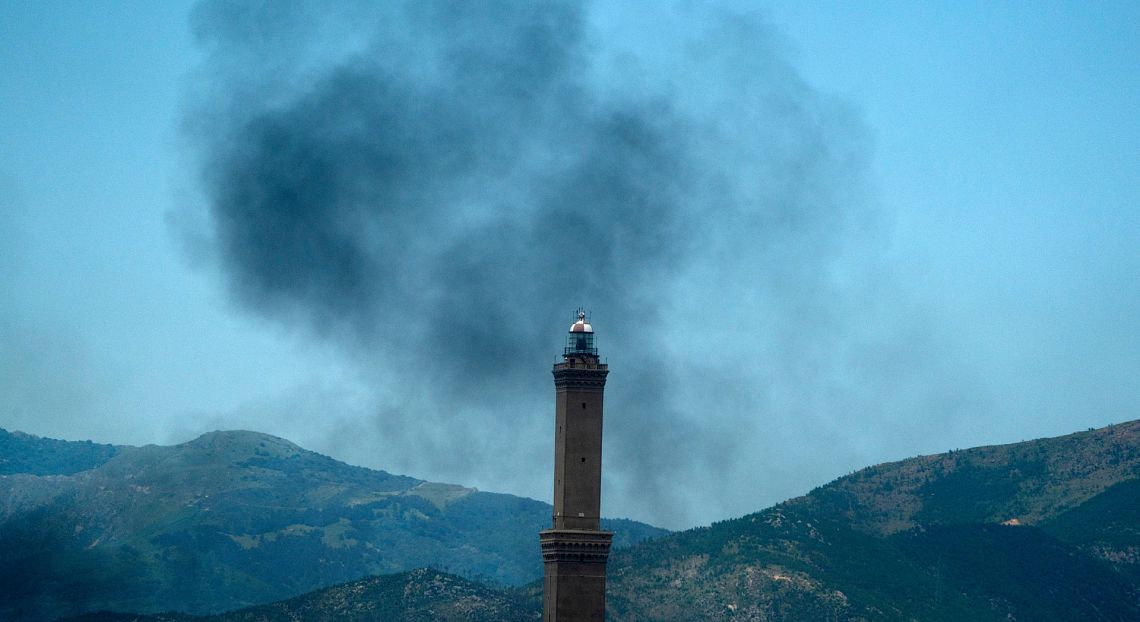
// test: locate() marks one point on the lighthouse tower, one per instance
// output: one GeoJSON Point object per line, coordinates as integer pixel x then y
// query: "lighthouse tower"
{"type": "Point", "coordinates": [575, 550]}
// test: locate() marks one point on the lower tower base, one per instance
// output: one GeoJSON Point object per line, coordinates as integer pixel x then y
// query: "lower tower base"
{"type": "Point", "coordinates": [574, 578]}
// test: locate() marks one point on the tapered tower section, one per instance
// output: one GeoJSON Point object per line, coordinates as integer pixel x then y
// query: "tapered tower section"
{"type": "Point", "coordinates": [575, 550]}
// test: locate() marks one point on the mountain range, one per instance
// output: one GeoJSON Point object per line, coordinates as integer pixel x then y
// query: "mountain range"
{"type": "Point", "coordinates": [232, 519]}
{"type": "Point", "coordinates": [1044, 530]}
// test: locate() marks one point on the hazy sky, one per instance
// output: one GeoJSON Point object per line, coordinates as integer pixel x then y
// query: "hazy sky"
{"type": "Point", "coordinates": [812, 236]}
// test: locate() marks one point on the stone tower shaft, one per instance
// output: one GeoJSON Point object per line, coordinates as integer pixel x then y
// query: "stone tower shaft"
{"type": "Point", "coordinates": [578, 443]}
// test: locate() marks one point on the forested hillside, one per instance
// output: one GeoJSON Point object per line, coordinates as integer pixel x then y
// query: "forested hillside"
{"type": "Point", "coordinates": [1035, 531]}
{"type": "Point", "coordinates": [1041, 531]}
{"type": "Point", "coordinates": [238, 518]}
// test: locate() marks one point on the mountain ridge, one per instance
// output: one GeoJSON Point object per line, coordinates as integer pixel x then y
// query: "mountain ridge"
{"type": "Point", "coordinates": [1047, 475]}
{"type": "Point", "coordinates": [904, 540]}
{"type": "Point", "coordinates": [34, 455]}
{"type": "Point", "coordinates": [231, 519]}
{"type": "Point", "coordinates": [1046, 530]}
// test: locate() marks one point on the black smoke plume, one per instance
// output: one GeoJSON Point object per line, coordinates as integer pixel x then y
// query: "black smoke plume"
{"type": "Point", "coordinates": [436, 186]}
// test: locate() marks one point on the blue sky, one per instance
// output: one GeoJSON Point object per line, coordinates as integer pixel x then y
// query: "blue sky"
{"type": "Point", "coordinates": [995, 281]}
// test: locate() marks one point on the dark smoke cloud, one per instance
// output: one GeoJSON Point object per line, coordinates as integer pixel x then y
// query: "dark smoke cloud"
{"type": "Point", "coordinates": [436, 186]}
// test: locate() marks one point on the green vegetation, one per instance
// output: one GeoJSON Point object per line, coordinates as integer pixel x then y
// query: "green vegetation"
{"type": "Point", "coordinates": [1106, 527]}
{"type": "Point", "coordinates": [1043, 531]}
{"type": "Point", "coordinates": [919, 539]}
{"type": "Point", "coordinates": [24, 453]}
{"type": "Point", "coordinates": [234, 519]}
{"type": "Point", "coordinates": [418, 596]}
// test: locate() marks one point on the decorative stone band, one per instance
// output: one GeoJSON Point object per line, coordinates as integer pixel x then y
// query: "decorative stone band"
{"type": "Point", "coordinates": [580, 378]}
{"type": "Point", "coordinates": [573, 545]}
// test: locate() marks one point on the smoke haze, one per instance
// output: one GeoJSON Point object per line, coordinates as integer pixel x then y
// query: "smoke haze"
{"type": "Point", "coordinates": [435, 187]}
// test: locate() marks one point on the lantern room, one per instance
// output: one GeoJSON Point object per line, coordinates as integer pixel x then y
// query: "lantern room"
{"type": "Point", "coordinates": [580, 341]}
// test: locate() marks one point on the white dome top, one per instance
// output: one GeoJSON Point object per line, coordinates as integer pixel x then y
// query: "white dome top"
{"type": "Point", "coordinates": [581, 326]}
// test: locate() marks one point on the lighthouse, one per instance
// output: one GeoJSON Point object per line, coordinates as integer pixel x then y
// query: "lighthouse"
{"type": "Point", "coordinates": [575, 549]}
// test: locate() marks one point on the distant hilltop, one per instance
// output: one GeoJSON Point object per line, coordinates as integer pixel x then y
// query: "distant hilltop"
{"type": "Point", "coordinates": [1044, 530]}
{"type": "Point", "coordinates": [25, 453]}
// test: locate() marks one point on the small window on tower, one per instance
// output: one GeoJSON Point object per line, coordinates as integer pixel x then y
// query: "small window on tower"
{"type": "Point", "coordinates": [583, 459]}
{"type": "Point", "coordinates": [583, 404]}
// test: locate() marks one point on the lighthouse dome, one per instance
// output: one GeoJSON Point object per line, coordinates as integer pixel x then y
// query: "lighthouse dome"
{"type": "Point", "coordinates": [581, 326]}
